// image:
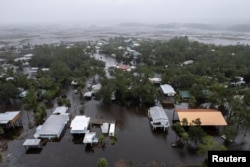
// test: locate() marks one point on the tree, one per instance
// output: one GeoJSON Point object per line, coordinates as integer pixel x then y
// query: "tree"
{"type": "Point", "coordinates": [60, 71]}
{"type": "Point", "coordinates": [102, 162]}
{"type": "Point", "coordinates": [40, 113]}
{"type": "Point", "coordinates": [7, 91]}
{"type": "Point", "coordinates": [106, 90]}
{"type": "Point", "coordinates": [30, 101]}
{"type": "Point", "coordinates": [208, 144]}
{"type": "Point", "coordinates": [180, 131]}
{"type": "Point", "coordinates": [195, 132]}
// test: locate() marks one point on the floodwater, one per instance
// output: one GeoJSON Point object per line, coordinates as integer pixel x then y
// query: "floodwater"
{"type": "Point", "coordinates": [50, 34]}
{"type": "Point", "coordinates": [136, 142]}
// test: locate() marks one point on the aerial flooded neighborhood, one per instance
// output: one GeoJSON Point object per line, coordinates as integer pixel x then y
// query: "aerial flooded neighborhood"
{"type": "Point", "coordinates": [129, 94]}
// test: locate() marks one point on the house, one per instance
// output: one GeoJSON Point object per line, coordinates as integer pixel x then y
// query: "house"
{"type": "Point", "coordinates": [185, 94]}
{"type": "Point", "coordinates": [168, 94]}
{"type": "Point", "coordinates": [28, 56]}
{"type": "Point", "coordinates": [79, 125]}
{"type": "Point", "coordinates": [158, 118]}
{"type": "Point", "coordinates": [167, 90]}
{"type": "Point", "coordinates": [61, 110]}
{"type": "Point", "coordinates": [188, 62]}
{"type": "Point", "coordinates": [155, 80]}
{"type": "Point", "coordinates": [33, 71]}
{"type": "Point", "coordinates": [44, 69]}
{"type": "Point", "coordinates": [238, 81]}
{"type": "Point", "coordinates": [23, 94]}
{"type": "Point", "coordinates": [96, 88]}
{"type": "Point", "coordinates": [122, 67]}
{"type": "Point", "coordinates": [208, 117]}
{"type": "Point", "coordinates": [52, 127]}
{"type": "Point", "coordinates": [87, 95]}
{"type": "Point", "coordinates": [10, 119]}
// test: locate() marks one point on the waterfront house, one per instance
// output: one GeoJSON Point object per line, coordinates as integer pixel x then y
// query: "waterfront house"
{"type": "Point", "coordinates": [79, 125]}
{"type": "Point", "coordinates": [52, 127]}
{"type": "Point", "coordinates": [158, 118]}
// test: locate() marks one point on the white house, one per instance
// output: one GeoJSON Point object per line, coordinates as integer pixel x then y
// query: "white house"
{"type": "Point", "coordinates": [167, 90]}
{"type": "Point", "coordinates": [188, 62]}
{"type": "Point", "coordinates": [52, 127]}
{"type": "Point", "coordinates": [79, 125]}
{"type": "Point", "coordinates": [158, 117]}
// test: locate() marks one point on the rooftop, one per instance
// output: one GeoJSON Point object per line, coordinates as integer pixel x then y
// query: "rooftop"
{"type": "Point", "coordinates": [60, 110]}
{"type": "Point", "coordinates": [9, 116]}
{"type": "Point", "coordinates": [208, 117]}
{"type": "Point", "coordinates": [168, 89]}
{"type": "Point", "coordinates": [53, 126]}
{"type": "Point", "coordinates": [90, 138]}
{"type": "Point", "coordinates": [32, 142]}
{"type": "Point", "coordinates": [79, 124]}
{"type": "Point", "coordinates": [185, 94]}
{"type": "Point", "coordinates": [158, 114]}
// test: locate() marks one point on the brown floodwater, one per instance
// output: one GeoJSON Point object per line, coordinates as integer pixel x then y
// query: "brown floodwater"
{"type": "Point", "coordinates": [137, 144]}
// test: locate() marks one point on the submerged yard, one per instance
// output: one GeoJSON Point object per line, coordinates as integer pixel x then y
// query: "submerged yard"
{"type": "Point", "coordinates": [137, 144]}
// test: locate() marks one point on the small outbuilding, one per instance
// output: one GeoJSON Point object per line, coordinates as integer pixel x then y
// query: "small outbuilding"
{"type": "Point", "coordinates": [105, 128]}
{"type": "Point", "coordinates": [112, 129]}
{"type": "Point", "coordinates": [90, 138]}
{"type": "Point", "coordinates": [32, 143]}
{"type": "Point", "coordinates": [61, 110]}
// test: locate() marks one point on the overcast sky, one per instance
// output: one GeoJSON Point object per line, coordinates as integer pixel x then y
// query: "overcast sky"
{"type": "Point", "coordinates": [117, 11]}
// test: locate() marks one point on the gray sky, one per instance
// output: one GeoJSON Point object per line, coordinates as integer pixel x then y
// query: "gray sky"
{"type": "Point", "coordinates": [117, 11]}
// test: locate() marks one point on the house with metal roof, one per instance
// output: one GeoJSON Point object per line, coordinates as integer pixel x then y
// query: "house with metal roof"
{"type": "Point", "coordinates": [158, 118]}
{"type": "Point", "coordinates": [79, 125]}
{"type": "Point", "coordinates": [52, 127]}
{"type": "Point", "coordinates": [167, 94]}
{"type": "Point", "coordinates": [167, 90]}
{"type": "Point", "coordinates": [185, 94]}
{"type": "Point", "coordinates": [61, 110]}
{"type": "Point", "coordinates": [10, 119]}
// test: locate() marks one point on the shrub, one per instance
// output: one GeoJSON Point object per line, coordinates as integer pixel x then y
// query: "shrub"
{"type": "Point", "coordinates": [113, 140]}
{"type": "Point", "coordinates": [102, 162]}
